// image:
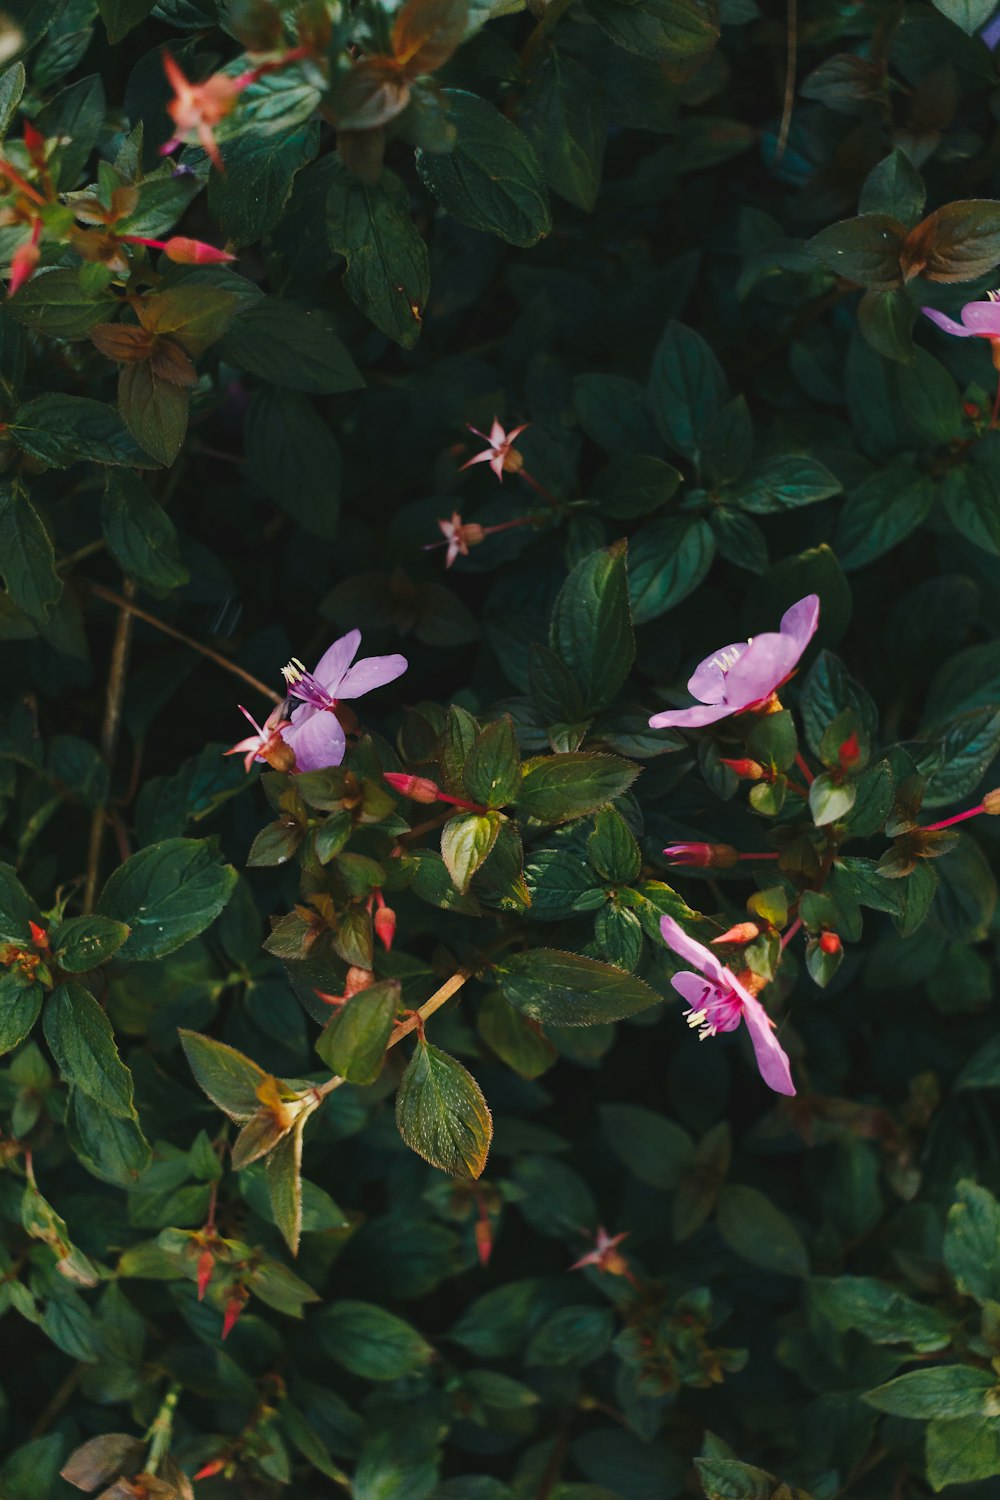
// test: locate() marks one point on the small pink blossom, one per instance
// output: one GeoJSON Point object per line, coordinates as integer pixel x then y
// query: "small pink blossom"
{"type": "Point", "coordinates": [719, 1002]}
{"type": "Point", "coordinates": [267, 744]}
{"type": "Point", "coordinates": [499, 452]}
{"type": "Point", "coordinates": [605, 1255]}
{"type": "Point", "coordinates": [458, 535]}
{"type": "Point", "coordinates": [980, 320]}
{"type": "Point", "coordinates": [315, 733]}
{"type": "Point", "coordinates": [743, 675]}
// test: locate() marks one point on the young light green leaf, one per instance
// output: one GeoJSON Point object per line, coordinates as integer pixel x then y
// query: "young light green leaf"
{"type": "Point", "coordinates": [442, 1114]}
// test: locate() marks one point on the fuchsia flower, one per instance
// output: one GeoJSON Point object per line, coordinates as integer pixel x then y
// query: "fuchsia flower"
{"type": "Point", "coordinates": [499, 453]}
{"type": "Point", "coordinates": [719, 1002]}
{"type": "Point", "coordinates": [268, 743]}
{"type": "Point", "coordinates": [315, 733]}
{"type": "Point", "coordinates": [980, 320]}
{"type": "Point", "coordinates": [744, 675]}
{"type": "Point", "coordinates": [458, 535]}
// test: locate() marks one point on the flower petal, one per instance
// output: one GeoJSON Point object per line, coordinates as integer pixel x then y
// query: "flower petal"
{"type": "Point", "coordinates": [692, 952]}
{"type": "Point", "coordinates": [695, 717]}
{"type": "Point", "coordinates": [318, 739]}
{"type": "Point", "coordinates": [335, 661]}
{"type": "Point", "coordinates": [764, 665]}
{"type": "Point", "coordinates": [982, 318]}
{"type": "Point", "coordinates": [370, 673]}
{"type": "Point", "coordinates": [799, 623]}
{"type": "Point", "coordinates": [708, 680]}
{"type": "Point", "coordinates": [772, 1060]}
{"type": "Point", "coordinates": [694, 988]}
{"type": "Point", "coordinates": [946, 324]}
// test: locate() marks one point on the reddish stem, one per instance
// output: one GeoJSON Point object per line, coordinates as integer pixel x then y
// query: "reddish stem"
{"type": "Point", "coordinates": [787, 938]}
{"type": "Point", "coordinates": [758, 856]}
{"type": "Point", "coordinates": [538, 487]}
{"type": "Point", "coordinates": [801, 763]}
{"type": "Point", "coordinates": [8, 171]}
{"type": "Point", "coordinates": [973, 812]}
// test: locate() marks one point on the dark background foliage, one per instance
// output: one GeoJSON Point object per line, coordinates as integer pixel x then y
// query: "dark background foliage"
{"type": "Point", "coordinates": [699, 281]}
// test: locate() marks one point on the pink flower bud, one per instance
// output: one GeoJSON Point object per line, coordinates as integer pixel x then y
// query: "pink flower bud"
{"type": "Point", "coordinates": [385, 925]}
{"type": "Point", "coordinates": [194, 252]}
{"type": "Point", "coordinates": [743, 932]}
{"type": "Point", "coordinates": [703, 856]}
{"type": "Point", "coordinates": [417, 788]}
{"type": "Point", "coordinates": [746, 770]}
{"type": "Point", "coordinates": [829, 942]}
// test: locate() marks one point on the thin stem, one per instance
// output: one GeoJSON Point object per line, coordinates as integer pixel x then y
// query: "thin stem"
{"type": "Point", "coordinates": [66, 563]}
{"type": "Point", "coordinates": [426, 827]}
{"type": "Point", "coordinates": [61, 1395]}
{"type": "Point", "coordinates": [800, 761]}
{"type": "Point", "coordinates": [758, 856]}
{"type": "Point", "coordinates": [161, 1429]}
{"type": "Point", "coordinates": [220, 661]}
{"type": "Point", "coordinates": [536, 485]}
{"type": "Point", "coordinates": [788, 103]}
{"type": "Point", "coordinates": [973, 812]}
{"type": "Point", "coordinates": [113, 701]}
{"type": "Point", "coordinates": [553, 10]}
{"type": "Point", "coordinates": [787, 938]}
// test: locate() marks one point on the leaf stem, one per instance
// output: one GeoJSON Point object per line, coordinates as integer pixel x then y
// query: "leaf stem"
{"type": "Point", "coordinates": [101, 592]}
{"type": "Point", "coordinates": [161, 1429]}
{"type": "Point", "coordinates": [788, 103]}
{"type": "Point", "coordinates": [110, 729]}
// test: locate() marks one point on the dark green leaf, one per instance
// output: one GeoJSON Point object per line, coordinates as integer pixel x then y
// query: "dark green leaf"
{"type": "Point", "coordinates": [441, 1113]}
{"type": "Point", "coordinates": [566, 989]}
{"type": "Point", "coordinates": [167, 894]}
{"type": "Point", "coordinates": [82, 1043]}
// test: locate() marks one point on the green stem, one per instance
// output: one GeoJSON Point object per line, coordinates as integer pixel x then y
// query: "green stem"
{"type": "Point", "coordinates": [161, 1429]}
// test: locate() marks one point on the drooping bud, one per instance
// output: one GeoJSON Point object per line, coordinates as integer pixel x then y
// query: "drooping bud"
{"type": "Point", "coordinates": [830, 942]}
{"type": "Point", "coordinates": [238, 1298]}
{"type": "Point", "coordinates": [991, 803]}
{"type": "Point", "coordinates": [484, 1240]}
{"type": "Point", "coordinates": [206, 1265]}
{"type": "Point", "coordinates": [702, 856]}
{"type": "Point", "coordinates": [743, 932]}
{"type": "Point", "coordinates": [358, 979]}
{"type": "Point", "coordinates": [384, 922]}
{"type": "Point", "coordinates": [209, 1470]}
{"type": "Point", "coordinates": [39, 936]}
{"type": "Point", "coordinates": [417, 788]}
{"type": "Point", "coordinates": [746, 770]}
{"type": "Point", "coordinates": [22, 265]}
{"type": "Point", "coordinates": [971, 409]}
{"type": "Point", "coordinates": [187, 252]}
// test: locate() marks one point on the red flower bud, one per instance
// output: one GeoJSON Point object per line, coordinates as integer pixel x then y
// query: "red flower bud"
{"type": "Point", "coordinates": [207, 1471]}
{"type": "Point", "coordinates": [385, 926]}
{"type": "Point", "coordinates": [237, 1302]}
{"type": "Point", "coordinates": [484, 1241]}
{"type": "Point", "coordinates": [703, 856]}
{"type": "Point", "coordinates": [194, 252]}
{"type": "Point", "coordinates": [849, 754]}
{"type": "Point", "coordinates": [971, 409]}
{"type": "Point", "coordinates": [829, 942]}
{"type": "Point", "coordinates": [417, 788]}
{"type": "Point", "coordinates": [743, 932]}
{"type": "Point", "coordinates": [746, 770]}
{"type": "Point", "coordinates": [39, 936]}
{"type": "Point", "coordinates": [206, 1265]}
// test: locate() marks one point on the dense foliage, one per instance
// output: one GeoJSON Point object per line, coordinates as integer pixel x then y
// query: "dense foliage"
{"type": "Point", "coordinates": [352, 1138]}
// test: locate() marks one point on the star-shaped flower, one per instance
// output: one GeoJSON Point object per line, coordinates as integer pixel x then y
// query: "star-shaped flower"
{"type": "Point", "coordinates": [499, 452]}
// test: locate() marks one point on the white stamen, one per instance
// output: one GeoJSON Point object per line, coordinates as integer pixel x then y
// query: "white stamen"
{"type": "Point", "coordinates": [294, 672]}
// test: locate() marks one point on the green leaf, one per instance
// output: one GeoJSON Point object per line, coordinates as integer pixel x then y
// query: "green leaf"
{"type": "Point", "coordinates": [516, 1041]}
{"type": "Point", "coordinates": [865, 250]}
{"type": "Point", "coordinates": [574, 1336]}
{"type": "Point", "coordinates": [20, 1004]}
{"type": "Point", "coordinates": [895, 187]}
{"type": "Point", "coordinates": [972, 1242]}
{"type": "Point", "coordinates": [829, 800]}
{"type": "Point", "coordinates": [283, 343]}
{"type": "Point", "coordinates": [167, 894]}
{"type": "Point", "coordinates": [154, 410]}
{"type": "Point", "coordinates": [293, 457]}
{"type": "Point", "coordinates": [12, 81]}
{"type": "Point", "coordinates": [944, 1391]}
{"type": "Point", "coordinates": [466, 841]}
{"type": "Point", "coordinates": [556, 788]}
{"type": "Point", "coordinates": [828, 689]}
{"type": "Point", "coordinates": [387, 274]}
{"type": "Point", "coordinates": [968, 745]}
{"type": "Point", "coordinates": [492, 771]}
{"type": "Point", "coordinates": [971, 501]}
{"type": "Point", "coordinates": [229, 1079]}
{"type": "Point", "coordinates": [248, 198]}
{"type": "Point", "coordinates": [567, 989]}
{"type": "Point", "coordinates": [591, 628]}
{"type": "Point", "coordinates": [353, 1041]}
{"type": "Point", "coordinates": [369, 1341]}
{"type": "Point", "coordinates": [728, 1479]}
{"type": "Point", "coordinates": [612, 848]}
{"type": "Point", "coordinates": [613, 411]}
{"type": "Point", "coordinates": [883, 510]}
{"type": "Point", "coordinates": [785, 482]}
{"type": "Point", "coordinates": [17, 909]}
{"type": "Point", "coordinates": [635, 484]}
{"type": "Point", "coordinates": [960, 1452]}
{"type": "Point", "coordinates": [959, 241]}
{"type": "Point", "coordinates": [687, 388]}
{"type": "Point", "coordinates": [491, 179]}
{"type": "Point", "coordinates": [875, 1309]}
{"type": "Point", "coordinates": [63, 430]}
{"type": "Point", "coordinates": [27, 558]}
{"type": "Point", "coordinates": [441, 1113]}
{"type": "Point", "coordinates": [667, 561]}
{"type": "Point", "coordinates": [82, 1042]}
{"type": "Point", "coordinates": [140, 535]}
{"type": "Point", "coordinates": [84, 943]}
{"type": "Point", "coordinates": [55, 303]}
{"type": "Point", "coordinates": [666, 30]}
{"type": "Point", "coordinates": [969, 14]}
{"type": "Point", "coordinates": [930, 400]}
{"type": "Point", "coordinates": [284, 1184]}
{"type": "Point", "coordinates": [565, 118]}
{"type": "Point", "coordinates": [759, 1232]}
{"type": "Point", "coordinates": [652, 1147]}
{"type": "Point", "coordinates": [121, 16]}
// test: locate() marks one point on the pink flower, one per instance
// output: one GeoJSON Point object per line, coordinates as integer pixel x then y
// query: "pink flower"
{"type": "Point", "coordinates": [499, 452]}
{"type": "Point", "coordinates": [605, 1255]}
{"type": "Point", "coordinates": [315, 732]}
{"type": "Point", "coordinates": [702, 856]}
{"type": "Point", "coordinates": [196, 108]}
{"type": "Point", "coordinates": [980, 320]}
{"type": "Point", "coordinates": [745, 674]}
{"type": "Point", "coordinates": [267, 744]}
{"type": "Point", "coordinates": [719, 1002]}
{"type": "Point", "coordinates": [458, 535]}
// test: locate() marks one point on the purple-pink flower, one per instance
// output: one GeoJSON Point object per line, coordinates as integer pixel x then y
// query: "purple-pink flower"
{"type": "Point", "coordinates": [315, 732]}
{"type": "Point", "coordinates": [980, 320]}
{"type": "Point", "coordinates": [499, 452]}
{"type": "Point", "coordinates": [719, 1002]}
{"type": "Point", "coordinates": [745, 674]}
